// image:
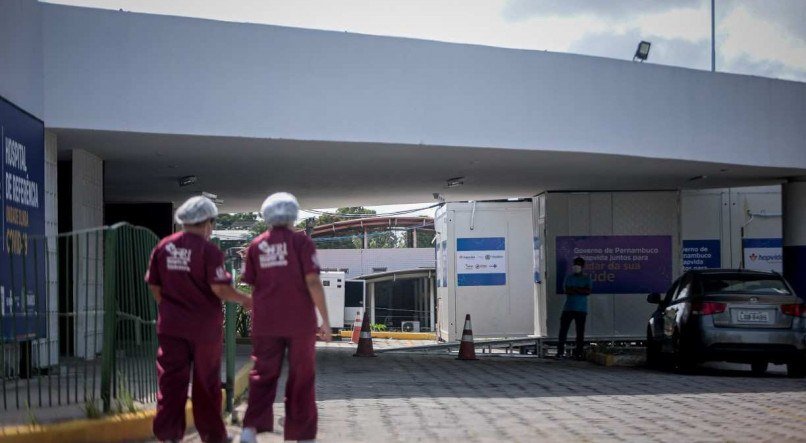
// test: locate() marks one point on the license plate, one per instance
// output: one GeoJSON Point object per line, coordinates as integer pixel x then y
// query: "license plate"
{"type": "Point", "coordinates": [753, 316]}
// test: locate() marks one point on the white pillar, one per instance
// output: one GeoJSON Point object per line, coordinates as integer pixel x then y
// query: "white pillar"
{"type": "Point", "coordinates": [371, 297]}
{"type": "Point", "coordinates": [431, 291]}
{"type": "Point", "coordinates": [794, 227]}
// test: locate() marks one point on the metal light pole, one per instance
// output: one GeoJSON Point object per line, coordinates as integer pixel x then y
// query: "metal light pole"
{"type": "Point", "coordinates": [713, 38]}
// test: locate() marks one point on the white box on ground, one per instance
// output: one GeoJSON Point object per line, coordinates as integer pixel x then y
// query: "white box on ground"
{"type": "Point", "coordinates": [410, 326]}
{"type": "Point", "coordinates": [334, 284]}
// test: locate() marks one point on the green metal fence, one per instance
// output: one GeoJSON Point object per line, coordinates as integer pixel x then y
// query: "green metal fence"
{"type": "Point", "coordinates": [230, 327]}
{"type": "Point", "coordinates": [78, 321]}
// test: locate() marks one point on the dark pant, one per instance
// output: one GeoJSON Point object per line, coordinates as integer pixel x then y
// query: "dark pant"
{"type": "Point", "coordinates": [300, 390]}
{"type": "Point", "coordinates": [565, 322]}
{"type": "Point", "coordinates": [174, 358]}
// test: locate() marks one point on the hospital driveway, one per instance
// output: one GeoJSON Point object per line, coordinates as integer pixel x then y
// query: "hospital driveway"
{"type": "Point", "coordinates": [426, 397]}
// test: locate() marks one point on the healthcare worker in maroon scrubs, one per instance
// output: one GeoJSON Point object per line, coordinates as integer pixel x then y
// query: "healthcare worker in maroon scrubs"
{"type": "Point", "coordinates": [282, 267]}
{"type": "Point", "coordinates": [188, 279]}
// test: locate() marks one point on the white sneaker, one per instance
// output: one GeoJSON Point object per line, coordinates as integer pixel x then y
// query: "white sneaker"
{"type": "Point", "coordinates": [248, 435]}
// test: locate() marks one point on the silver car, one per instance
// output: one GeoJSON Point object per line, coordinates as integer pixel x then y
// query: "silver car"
{"type": "Point", "coordinates": [728, 315]}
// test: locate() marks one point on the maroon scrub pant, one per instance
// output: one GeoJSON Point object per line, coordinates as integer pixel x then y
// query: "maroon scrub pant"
{"type": "Point", "coordinates": [300, 389]}
{"type": "Point", "coordinates": [174, 358]}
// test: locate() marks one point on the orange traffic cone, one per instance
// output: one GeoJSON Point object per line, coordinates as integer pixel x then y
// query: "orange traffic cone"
{"type": "Point", "coordinates": [466, 349]}
{"type": "Point", "coordinates": [365, 339]}
{"type": "Point", "coordinates": [356, 328]}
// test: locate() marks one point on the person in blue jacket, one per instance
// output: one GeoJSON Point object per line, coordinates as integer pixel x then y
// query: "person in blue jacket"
{"type": "Point", "coordinates": [577, 287]}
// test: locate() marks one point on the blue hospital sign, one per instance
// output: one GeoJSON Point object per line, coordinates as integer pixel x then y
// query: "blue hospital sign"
{"type": "Point", "coordinates": [22, 274]}
{"type": "Point", "coordinates": [481, 261]}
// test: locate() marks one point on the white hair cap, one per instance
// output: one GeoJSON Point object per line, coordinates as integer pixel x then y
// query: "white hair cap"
{"type": "Point", "coordinates": [280, 209]}
{"type": "Point", "coordinates": [196, 210]}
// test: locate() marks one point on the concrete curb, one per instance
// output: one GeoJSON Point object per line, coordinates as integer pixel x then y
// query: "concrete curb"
{"type": "Point", "coordinates": [121, 427]}
{"type": "Point", "coordinates": [397, 335]}
{"type": "Point", "coordinates": [625, 360]}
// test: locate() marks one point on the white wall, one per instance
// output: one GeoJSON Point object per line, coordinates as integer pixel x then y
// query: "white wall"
{"type": "Point", "coordinates": [21, 54]}
{"type": "Point", "coordinates": [121, 71]}
{"type": "Point", "coordinates": [358, 262]}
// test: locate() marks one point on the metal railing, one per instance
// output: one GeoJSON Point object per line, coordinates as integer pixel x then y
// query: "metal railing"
{"type": "Point", "coordinates": [78, 321]}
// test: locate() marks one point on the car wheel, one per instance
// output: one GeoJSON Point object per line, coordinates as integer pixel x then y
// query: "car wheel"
{"type": "Point", "coordinates": [759, 367]}
{"type": "Point", "coordinates": [796, 369]}
{"type": "Point", "coordinates": [682, 361]}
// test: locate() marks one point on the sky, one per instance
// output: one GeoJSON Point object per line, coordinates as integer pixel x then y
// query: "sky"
{"type": "Point", "coordinates": [753, 37]}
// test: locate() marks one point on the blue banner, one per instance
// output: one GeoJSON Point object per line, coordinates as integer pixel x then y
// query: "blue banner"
{"type": "Point", "coordinates": [702, 254]}
{"type": "Point", "coordinates": [481, 261]}
{"type": "Point", "coordinates": [481, 244]}
{"type": "Point", "coordinates": [22, 277]}
{"type": "Point", "coordinates": [794, 264]}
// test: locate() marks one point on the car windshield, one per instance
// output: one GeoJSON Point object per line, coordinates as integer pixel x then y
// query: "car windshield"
{"type": "Point", "coordinates": [731, 283]}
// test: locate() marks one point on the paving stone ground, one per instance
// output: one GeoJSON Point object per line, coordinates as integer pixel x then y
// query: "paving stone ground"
{"type": "Point", "coordinates": [398, 397]}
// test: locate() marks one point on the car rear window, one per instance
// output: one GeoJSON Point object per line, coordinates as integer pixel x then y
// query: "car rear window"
{"type": "Point", "coordinates": [732, 283]}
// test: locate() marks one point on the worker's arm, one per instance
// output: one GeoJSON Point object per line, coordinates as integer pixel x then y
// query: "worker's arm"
{"type": "Point", "coordinates": [227, 292]}
{"type": "Point", "coordinates": [156, 291]}
{"type": "Point", "coordinates": [317, 293]}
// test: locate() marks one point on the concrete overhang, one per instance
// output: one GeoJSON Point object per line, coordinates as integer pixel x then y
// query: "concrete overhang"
{"type": "Point", "coordinates": [241, 171]}
{"type": "Point", "coordinates": [341, 118]}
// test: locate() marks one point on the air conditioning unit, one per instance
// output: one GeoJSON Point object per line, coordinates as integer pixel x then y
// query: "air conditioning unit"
{"type": "Point", "coordinates": [410, 326]}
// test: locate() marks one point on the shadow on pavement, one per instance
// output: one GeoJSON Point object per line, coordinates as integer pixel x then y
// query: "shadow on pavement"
{"type": "Point", "coordinates": [341, 376]}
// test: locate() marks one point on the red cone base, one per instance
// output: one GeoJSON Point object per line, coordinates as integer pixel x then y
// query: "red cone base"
{"type": "Point", "coordinates": [466, 349]}
{"type": "Point", "coordinates": [365, 339]}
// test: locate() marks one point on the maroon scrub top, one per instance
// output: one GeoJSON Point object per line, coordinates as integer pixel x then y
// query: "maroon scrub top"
{"type": "Point", "coordinates": [184, 265]}
{"type": "Point", "coordinates": [276, 264]}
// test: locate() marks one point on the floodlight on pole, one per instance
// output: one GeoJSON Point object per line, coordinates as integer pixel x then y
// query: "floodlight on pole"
{"type": "Point", "coordinates": [642, 52]}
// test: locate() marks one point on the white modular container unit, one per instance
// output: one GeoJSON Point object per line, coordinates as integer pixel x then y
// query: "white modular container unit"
{"type": "Point", "coordinates": [732, 228]}
{"type": "Point", "coordinates": [485, 268]}
{"type": "Point", "coordinates": [334, 284]}
{"type": "Point", "coordinates": [631, 243]}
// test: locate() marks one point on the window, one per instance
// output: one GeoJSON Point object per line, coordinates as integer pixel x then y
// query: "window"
{"type": "Point", "coordinates": [743, 283]}
{"type": "Point", "coordinates": [671, 291]}
{"type": "Point", "coordinates": [685, 288]}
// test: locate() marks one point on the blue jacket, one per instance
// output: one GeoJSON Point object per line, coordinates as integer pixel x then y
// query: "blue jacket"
{"type": "Point", "coordinates": [577, 302]}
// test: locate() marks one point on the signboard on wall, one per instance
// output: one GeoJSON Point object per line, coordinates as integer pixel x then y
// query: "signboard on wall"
{"type": "Point", "coordinates": [763, 254]}
{"type": "Point", "coordinates": [618, 264]}
{"type": "Point", "coordinates": [701, 254]}
{"type": "Point", "coordinates": [22, 197]}
{"type": "Point", "coordinates": [481, 261]}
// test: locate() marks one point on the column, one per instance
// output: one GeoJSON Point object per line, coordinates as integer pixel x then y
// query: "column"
{"type": "Point", "coordinates": [431, 291]}
{"type": "Point", "coordinates": [794, 227]}
{"type": "Point", "coordinates": [371, 297]}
